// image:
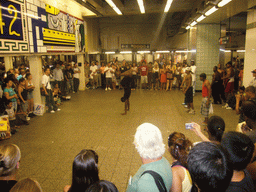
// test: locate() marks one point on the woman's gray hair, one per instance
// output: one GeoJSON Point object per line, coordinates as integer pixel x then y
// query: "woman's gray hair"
{"type": "Point", "coordinates": [148, 141]}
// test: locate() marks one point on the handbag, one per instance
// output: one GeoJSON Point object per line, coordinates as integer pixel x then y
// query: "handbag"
{"type": "Point", "coordinates": [42, 91]}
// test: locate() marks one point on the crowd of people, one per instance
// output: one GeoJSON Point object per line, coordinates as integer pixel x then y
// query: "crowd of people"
{"type": "Point", "coordinates": [221, 161]}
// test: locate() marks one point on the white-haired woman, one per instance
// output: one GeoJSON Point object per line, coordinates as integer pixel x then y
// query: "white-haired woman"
{"type": "Point", "coordinates": [9, 164]}
{"type": "Point", "coordinates": [149, 143]}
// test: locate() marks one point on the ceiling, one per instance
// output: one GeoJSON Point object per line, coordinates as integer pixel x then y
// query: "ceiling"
{"type": "Point", "coordinates": [180, 14]}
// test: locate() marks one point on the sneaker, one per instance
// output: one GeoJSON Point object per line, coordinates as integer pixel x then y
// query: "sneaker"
{"type": "Point", "coordinates": [192, 111]}
{"type": "Point", "coordinates": [109, 89]}
{"type": "Point", "coordinates": [28, 118]}
{"type": "Point", "coordinates": [185, 106]}
{"type": "Point", "coordinates": [52, 111]}
{"type": "Point", "coordinates": [225, 106]}
{"type": "Point", "coordinates": [58, 109]}
{"type": "Point", "coordinates": [228, 108]}
{"type": "Point", "coordinates": [183, 103]}
{"type": "Point", "coordinates": [106, 89]}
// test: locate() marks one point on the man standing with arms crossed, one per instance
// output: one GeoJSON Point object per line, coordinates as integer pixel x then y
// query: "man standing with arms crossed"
{"type": "Point", "coordinates": [193, 73]}
{"type": "Point", "coordinates": [188, 91]}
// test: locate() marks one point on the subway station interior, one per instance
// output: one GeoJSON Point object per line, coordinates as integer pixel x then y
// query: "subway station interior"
{"type": "Point", "coordinates": [39, 33]}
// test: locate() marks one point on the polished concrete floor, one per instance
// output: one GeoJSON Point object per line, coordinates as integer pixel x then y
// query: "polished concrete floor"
{"type": "Point", "coordinates": [92, 120]}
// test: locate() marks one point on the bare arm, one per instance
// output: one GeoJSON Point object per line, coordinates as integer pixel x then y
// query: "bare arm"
{"type": "Point", "coordinates": [19, 93]}
{"type": "Point", "coordinates": [177, 179]}
{"type": "Point", "coordinates": [197, 129]}
{"type": "Point", "coordinates": [8, 97]}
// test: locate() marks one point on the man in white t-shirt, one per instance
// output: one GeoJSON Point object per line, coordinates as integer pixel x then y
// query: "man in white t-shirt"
{"type": "Point", "coordinates": [76, 77]}
{"type": "Point", "coordinates": [108, 71]}
{"type": "Point", "coordinates": [48, 91]}
{"type": "Point", "coordinates": [193, 73]}
{"type": "Point", "coordinates": [93, 74]}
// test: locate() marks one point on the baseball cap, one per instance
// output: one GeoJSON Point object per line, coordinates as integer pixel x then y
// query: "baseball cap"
{"type": "Point", "coordinates": [188, 69]}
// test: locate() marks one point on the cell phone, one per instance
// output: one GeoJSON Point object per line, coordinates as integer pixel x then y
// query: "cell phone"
{"type": "Point", "coordinates": [189, 125]}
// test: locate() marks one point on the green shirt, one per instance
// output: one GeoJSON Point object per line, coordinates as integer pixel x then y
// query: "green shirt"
{"type": "Point", "coordinates": [146, 183]}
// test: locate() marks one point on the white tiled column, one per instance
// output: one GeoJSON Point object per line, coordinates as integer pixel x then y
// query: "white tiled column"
{"type": "Point", "coordinates": [250, 45]}
{"type": "Point", "coordinates": [8, 63]}
{"type": "Point", "coordinates": [207, 50]}
{"type": "Point", "coordinates": [80, 59]}
{"type": "Point", "coordinates": [35, 64]}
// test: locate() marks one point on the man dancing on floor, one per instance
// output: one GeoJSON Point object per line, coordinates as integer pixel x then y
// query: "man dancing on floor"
{"type": "Point", "coordinates": [126, 84]}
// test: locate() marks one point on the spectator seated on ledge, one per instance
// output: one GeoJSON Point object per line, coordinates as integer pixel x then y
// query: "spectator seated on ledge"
{"type": "Point", "coordinates": [209, 167]}
{"type": "Point", "coordinates": [179, 147]}
{"type": "Point", "coordinates": [149, 143]}
{"type": "Point", "coordinates": [27, 185]}
{"type": "Point", "coordinates": [85, 171]}
{"type": "Point", "coordinates": [9, 165]}
{"type": "Point", "coordinates": [240, 148]}
{"type": "Point", "coordinates": [102, 186]}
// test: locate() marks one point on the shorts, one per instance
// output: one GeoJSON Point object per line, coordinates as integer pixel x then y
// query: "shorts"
{"type": "Point", "coordinates": [144, 79]}
{"type": "Point", "coordinates": [229, 87]}
{"type": "Point", "coordinates": [108, 81]}
{"type": "Point", "coordinates": [189, 95]}
{"type": "Point", "coordinates": [127, 94]}
{"type": "Point", "coordinates": [30, 95]}
{"type": "Point", "coordinates": [204, 108]}
{"type": "Point", "coordinates": [24, 106]}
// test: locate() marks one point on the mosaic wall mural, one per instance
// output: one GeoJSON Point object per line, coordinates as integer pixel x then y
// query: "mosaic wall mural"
{"type": "Point", "coordinates": [36, 27]}
{"type": "Point", "coordinates": [13, 28]}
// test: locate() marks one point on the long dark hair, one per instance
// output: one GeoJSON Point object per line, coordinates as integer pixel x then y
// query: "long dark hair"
{"type": "Point", "coordinates": [179, 147]}
{"type": "Point", "coordinates": [85, 170]}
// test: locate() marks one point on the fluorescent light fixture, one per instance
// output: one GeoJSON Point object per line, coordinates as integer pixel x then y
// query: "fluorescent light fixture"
{"type": "Point", "coordinates": [201, 18]}
{"type": "Point", "coordinates": [223, 50]}
{"type": "Point", "coordinates": [110, 52]}
{"type": "Point", "coordinates": [212, 10]}
{"type": "Point", "coordinates": [227, 51]}
{"type": "Point", "coordinates": [183, 51]}
{"type": "Point", "coordinates": [141, 5]}
{"type": "Point", "coordinates": [142, 52]}
{"type": "Point", "coordinates": [240, 51]}
{"type": "Point", "coordinates": [188, 27]}
{"type": "Point", "coordinates": [223, 3]}
{"type": "Point", "coordinates": [96, 52]}
{"type": "Point", "coordinates": [162, 51]}
{"type": "Point", "coordinates": [125, 52]}
{"type": "Point", "coordinates": [193, 23]}
{"type": "Point", "coordinates": [112, 4]}
{"type": "Point", "coordinates": [168, 5]}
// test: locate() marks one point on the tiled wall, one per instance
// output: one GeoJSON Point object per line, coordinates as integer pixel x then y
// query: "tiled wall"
{"type": "Point", "coordinates": [207, 48]}
{"type": "Point", "coordinates": [250, 48]}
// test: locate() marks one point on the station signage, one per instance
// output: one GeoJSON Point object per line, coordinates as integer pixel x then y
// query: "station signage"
{"type": "Point", "coordinates": [135, 46]}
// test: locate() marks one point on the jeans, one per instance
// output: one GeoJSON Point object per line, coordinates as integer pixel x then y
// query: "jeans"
{"type": "Point", "coordinates": [50, 101]}
{"type": "Point", "coordinates": [76, 84]}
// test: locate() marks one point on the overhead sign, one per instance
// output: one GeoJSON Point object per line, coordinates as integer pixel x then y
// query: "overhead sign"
{"type": "Point", "coordinates": [225, 40]}
{"type": "Point", "coordinates": [135, 46]}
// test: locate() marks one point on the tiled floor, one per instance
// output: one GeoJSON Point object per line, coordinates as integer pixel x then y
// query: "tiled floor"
{"type": "Point", "coordinates": [93, 120]}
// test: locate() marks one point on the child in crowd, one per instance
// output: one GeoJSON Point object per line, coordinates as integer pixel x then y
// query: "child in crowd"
{"type": "Point", "coordinates": [57, 94]}
{"type": "Point", "coordinates": [23, 95]}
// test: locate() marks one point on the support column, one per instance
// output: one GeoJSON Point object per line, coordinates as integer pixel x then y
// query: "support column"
{"type": "Point", "coordinates": [192, 41]}
{"type": "Point", "coordinates": [35, 65]}
{"type": "Point", "coordinates": [80, 59]}
{"type": "Point", "coordinates": [8, 63]}
{"type": "Point", "coordinates": [207, 50]}
{"type": "Point", "coordinates": [250, 47]}
{"type": "Point", "coordinates": [62, 58]}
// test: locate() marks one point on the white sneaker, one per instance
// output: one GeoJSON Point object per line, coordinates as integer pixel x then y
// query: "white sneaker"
{"type": "Point", "coordinates": [58, 109]}
{"type": "Point", "coordinates": [28, 118]}
{"type": "Point", "coordinates": [106, 89]}
{"type": "Point", "coordinates": [109, 89]}
{"type": "Point", "coordinates": [192, 111]}
{"type": "Point", "coordinates": [225, 106]}
{"type": "Point", "coordinates": [52, 111]}
{"type": "Point", "coordinates": [228, 108]}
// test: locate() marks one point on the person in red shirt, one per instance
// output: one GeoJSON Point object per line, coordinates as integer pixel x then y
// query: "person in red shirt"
{"type": "Point", "coordinates": [144, 75]}
{"type": "Point", "coordinates": [206, 94]}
